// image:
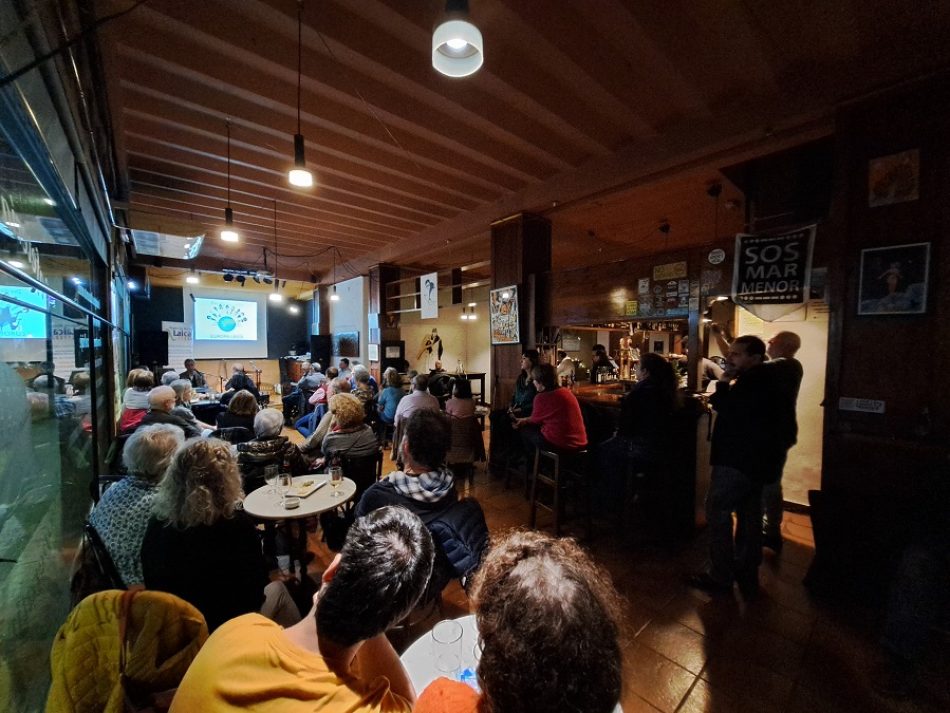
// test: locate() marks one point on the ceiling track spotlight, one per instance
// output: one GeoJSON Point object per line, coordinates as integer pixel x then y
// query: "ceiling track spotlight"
{"type": "Point", "coordinates": [228, 233]}
{"type": "Point", "coordinates": [299, 175]}
{"type": "Point", "coordinates": [457, 47]}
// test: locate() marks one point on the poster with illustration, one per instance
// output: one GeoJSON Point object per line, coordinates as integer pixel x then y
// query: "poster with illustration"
{"type": "Point", "coordinates": [894, 279]}
{"type": "Point", "coordinates": [503, 315]}
{"type": "Point", "coordinates": [429, 300]}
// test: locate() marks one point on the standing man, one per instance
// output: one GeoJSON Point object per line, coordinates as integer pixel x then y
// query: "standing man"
{"type": "Point", "coordinates": [344, 367]}
{"type": "Point", "coordinates": [786, 372]}
{"type": "Point", "coordinates": [747, 453]}
{"type": "Point", "coordinates": [196, 378]}
{"type": "Point", "coordinates": [337, 658]}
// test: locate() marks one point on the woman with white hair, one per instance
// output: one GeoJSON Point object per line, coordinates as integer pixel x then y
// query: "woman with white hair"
{"type": "Point", "coordinates": [122, 515]}
{"type": "Point", "coordinates": [361, 369]}
{"type": "Point", "coordinates": [268, 447]}
{"type": "Point", "coordinates": [201, 546]}
{"type": "Point", "coordinates": [183, 392]}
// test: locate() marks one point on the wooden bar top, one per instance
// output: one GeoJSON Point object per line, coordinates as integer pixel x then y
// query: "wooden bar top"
{"type": "Point", "coordinates": [605, 395]}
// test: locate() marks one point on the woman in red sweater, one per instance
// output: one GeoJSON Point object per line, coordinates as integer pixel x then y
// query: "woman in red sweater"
{"type": "Point", "coordinates": [555, 423]}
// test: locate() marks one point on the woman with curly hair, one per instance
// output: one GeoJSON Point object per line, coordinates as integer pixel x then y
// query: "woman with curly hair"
{"type": "Point", "coordinates": [202, 547]}
{"type": "Point", "coordinates": [551, 628]}
{"type": "Point", "coordinates": [349, 434]}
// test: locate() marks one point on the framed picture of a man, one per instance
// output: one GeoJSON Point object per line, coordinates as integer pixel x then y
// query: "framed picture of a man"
{"type": "Point", "coordinates": [894, 280]}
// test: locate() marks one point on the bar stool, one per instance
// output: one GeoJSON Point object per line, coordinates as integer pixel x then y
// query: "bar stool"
{"type": "Point", "coordinates": [567, 469]}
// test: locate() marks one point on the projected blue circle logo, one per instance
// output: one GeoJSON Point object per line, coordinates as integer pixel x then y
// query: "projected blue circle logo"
{"type": "Point", "coordinates": [227, 324]}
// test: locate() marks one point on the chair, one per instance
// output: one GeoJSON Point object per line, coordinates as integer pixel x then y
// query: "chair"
{"type": "Point", "coordinates": [466, 447]}
{"type": "Point", "coordinates": [567, 470]}
{"type": "Point", "coordinates": [234, 434]}
{"type": "Point", "coordinates": [362, 470]}
{"type": "Point", "coordinates": [94, 571]}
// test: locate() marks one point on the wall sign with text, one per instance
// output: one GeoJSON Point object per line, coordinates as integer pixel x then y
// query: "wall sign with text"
{"type": "Point", "coordinates": [773, 269]}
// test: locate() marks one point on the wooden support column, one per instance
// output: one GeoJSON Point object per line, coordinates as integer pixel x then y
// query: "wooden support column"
{"type": "Point", "coordinates": [520, 255]}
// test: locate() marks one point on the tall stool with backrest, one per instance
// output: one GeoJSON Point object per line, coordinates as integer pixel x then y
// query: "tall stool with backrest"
{"type": "Point", "coordinates": [566, 470]}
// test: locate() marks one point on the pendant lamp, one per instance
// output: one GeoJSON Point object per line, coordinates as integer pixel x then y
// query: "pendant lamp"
{"type": "Point", "coordinates": [299, 175]}
{"type": "Point", "coordinates": [228, 233]}
{"type": "Point", "coordinates": [457, 48]}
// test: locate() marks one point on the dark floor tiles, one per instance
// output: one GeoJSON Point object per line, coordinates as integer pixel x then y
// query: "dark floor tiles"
{"type": "Point", "coordinates": [745, 680]}
{"type": "Point", "coordinates": [676, 642]}
{"type": "Point", "coordinates": [632, 703]}
{"type": "Point", "coordinates": [660, 682]}
{"type": "Point", "coordinates": [706, 698]}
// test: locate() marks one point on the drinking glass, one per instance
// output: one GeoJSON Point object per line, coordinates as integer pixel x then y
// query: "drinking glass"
{"type": "Point", "coordinates": [270, 477]}
{"type": "Point", "coordinates": [285, 481]}
{"type": "Point", "coordinates": [447, 647]}
{"type": "Point", "coordinates": [336, 480]}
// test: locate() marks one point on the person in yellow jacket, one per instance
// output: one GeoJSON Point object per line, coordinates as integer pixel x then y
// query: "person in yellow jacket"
{"type": "Point", "coordinates": [162, 635]}
{"type": "Point", "coordinates": [338, 657]}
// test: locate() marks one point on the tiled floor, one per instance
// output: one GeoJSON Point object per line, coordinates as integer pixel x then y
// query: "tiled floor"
{"type": "Point", "coordinates": [691, 653]}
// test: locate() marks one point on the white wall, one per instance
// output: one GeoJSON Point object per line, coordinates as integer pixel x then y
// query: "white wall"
{"type": "Point", "coordinates": [462, 340]}
{"type": "Point", "coordinates": [803, 468]}
{"type": "Point", "coordinates": [350, 314]}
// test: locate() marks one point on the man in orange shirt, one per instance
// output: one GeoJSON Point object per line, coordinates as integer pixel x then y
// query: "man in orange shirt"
{"type": "Point", "coordinates": [338, 657]}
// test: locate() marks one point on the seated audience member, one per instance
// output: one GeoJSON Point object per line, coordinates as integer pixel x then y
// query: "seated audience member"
{"type": "Point", "coordinates": [461, 405]}
{"type": "Point", "coordinates": [363, 389]}
{"type": "Point", "coordinates": [344, 368]}
{"type": "Point", "coordinates": [425, 484]}
{"type": "Point", "coordinates": [296, 401]}
{"type": "Point", "coordinates": [268, 447]}
{"type": "Point", "coordinates": [161, 401]}
{"type": "Point", "coordinates": [122, 514]}
{"type": "Point", "coordinates": [202, 547]}
{"type": "Point", "coordinates": [239, 381]}
{"type": "Point", "coordinates": [194, 376]}
{"type": "Point", "coordinates": [643, 433]}
{"type": "Point", "coordinates": [418, 399]}
{"type": "Point", "coordinates": [337, 658]}
{"type": "Point", "coordinates": [361, 369]}
{"type": "Point", "coordinates": [314, 442]}
{"type": "Point", "coordinates": [390, 396]}
{"type": "Point", "coordinates": [47, 381]}
{"type": "Point", "coordinates": [242, 408]}
{"type": "Point", "coordinates": [504, 441]}
{"type": "Point", "coordinates": [135, 399]}
{"type": "Point", "coordinates": [81, 398]}
{"type": "Point", "coordinates": [555, 422]}
{"type": "Point", "coordinates": [168, 377]}
{"type": "Point", "coordinates": [349, 436]}
{"type": "Point", "coordinates": [551, 628]}
{"type": "Point", "coordinates": [182, 408]}
{"type": "Point", "coordinates": [307, 423]}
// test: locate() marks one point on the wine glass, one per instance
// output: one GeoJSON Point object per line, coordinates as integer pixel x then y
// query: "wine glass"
{"type": "Point", "coordinates": [285, 481]}
{"type": "Point", "coordinates": [336, 480]}
{"type": "Point", "coordinates": [270, 477]}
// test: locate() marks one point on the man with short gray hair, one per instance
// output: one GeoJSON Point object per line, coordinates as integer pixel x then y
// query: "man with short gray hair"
{"type": "Point", "coordinates": [161, 401]}
{"type": "Point", "coordinates": [417, 399]}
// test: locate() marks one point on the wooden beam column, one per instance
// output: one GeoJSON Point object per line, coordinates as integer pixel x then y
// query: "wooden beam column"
{"type": "Point", "coordinates": [520, 255]}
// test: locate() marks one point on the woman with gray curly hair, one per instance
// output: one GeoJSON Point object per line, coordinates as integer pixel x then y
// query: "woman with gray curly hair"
{"type": "Point", "coordinates": [122, 514]}
{"type": "Point", "coordinates": [202, 547]}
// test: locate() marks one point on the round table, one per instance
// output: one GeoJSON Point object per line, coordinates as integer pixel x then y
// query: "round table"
{"type": "Point", "coordinates": [419, 659]}
{"type": "Point", "coordinates": [265, 505]}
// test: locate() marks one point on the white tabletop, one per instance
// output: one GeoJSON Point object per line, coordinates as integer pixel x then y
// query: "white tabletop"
{"type": "Point", "coordinates": [267, 506]}
{"type": "Point", "coordinates": [419, 658]}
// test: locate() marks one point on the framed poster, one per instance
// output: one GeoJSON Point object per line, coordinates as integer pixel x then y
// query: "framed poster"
{"type": "Point", "coordinates": [373, 352]}
{"type": "Point", "coordinates": [894, 280]}
{"type": "Point", "coordinates": [894, 178]}
{"type": "Point", "coordinates": [429, 296]}
{"type": "Point", "coordinates": [346, 344]}
{"type": "Point", "coordinates": [503, 315]}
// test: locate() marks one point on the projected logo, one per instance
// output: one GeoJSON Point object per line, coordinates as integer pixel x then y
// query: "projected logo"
{"type": "Point", "coordinates": [227, 316]}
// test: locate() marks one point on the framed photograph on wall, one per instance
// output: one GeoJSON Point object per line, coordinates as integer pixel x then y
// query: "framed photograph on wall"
{"type": "Point", "coordinates": [894, 280]}
{"type": "Point", "coordinates": [503, 315]}
{"type": "Point", "coordinates": [373, 352]}
{"type": "Point", "coordinates": [346, 344]}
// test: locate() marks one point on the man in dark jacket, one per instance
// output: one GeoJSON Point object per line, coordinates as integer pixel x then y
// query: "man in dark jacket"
{"type": "Point", "coordinates": [425, 485]}
{"type": "Point", "coordinates": [748, 451]}
{"type": "Point", "coordinates": [161, 401]}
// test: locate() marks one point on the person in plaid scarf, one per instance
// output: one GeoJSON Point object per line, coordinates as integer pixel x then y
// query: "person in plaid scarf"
{"type": "Point", "coordinates": [425, 485]}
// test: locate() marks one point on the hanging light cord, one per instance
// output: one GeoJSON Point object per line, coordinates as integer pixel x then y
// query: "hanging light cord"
{"type": "Point", "coordinates": [228, 124]}
{"type": "Point", "coordinates": [299, 54]}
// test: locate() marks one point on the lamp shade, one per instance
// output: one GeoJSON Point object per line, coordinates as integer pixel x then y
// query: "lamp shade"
{"type": "Point", "coordinates": [299, 175]}
{"type": "Point", "coordinates": [457, 48]}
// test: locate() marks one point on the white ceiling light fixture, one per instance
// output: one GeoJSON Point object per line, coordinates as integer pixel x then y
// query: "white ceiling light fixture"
{"type": "Point", "coordinates": [15, 263]}
{"type": "Point", "coordinates": [457, 47]}
{"type": "Point", "coordinates": [299, 175]}
{"type": "Point", "coordinates": [228, 233]}
{"type": "Point", "coordinates": [293, 309]}
{"type": "Point", "coordinates": [193, 279]}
